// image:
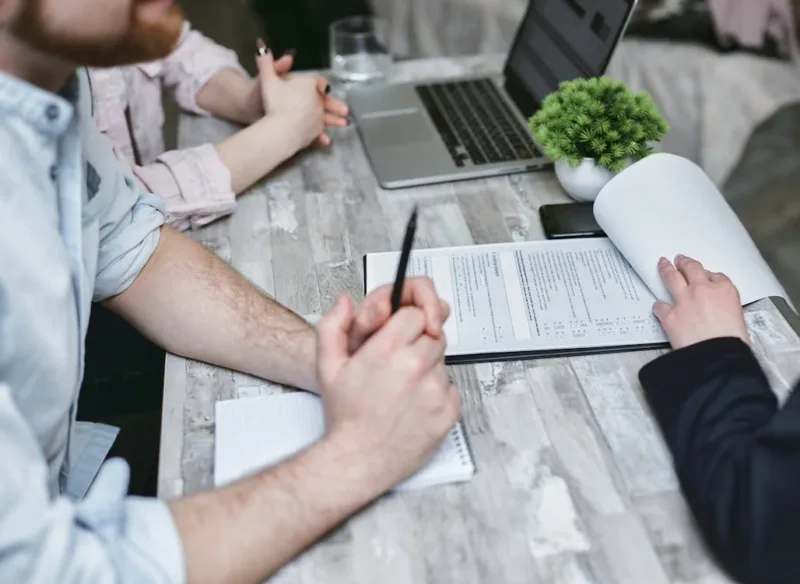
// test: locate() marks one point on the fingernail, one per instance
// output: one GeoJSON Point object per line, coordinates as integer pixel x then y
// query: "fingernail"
{"type": "Point", "coordinates": [328, 88]}
{"type": "Point", "coordinates": [261, 46]}
{"type": "Point", "coordinates": [291, 52]}
{"type": "Point", "coordinates": [679, 258]}
{"type": "Point", "coordinates": [662, 260]}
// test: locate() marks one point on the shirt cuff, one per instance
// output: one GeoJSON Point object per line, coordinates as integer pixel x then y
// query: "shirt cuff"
{"type": "Point", "coordinates": [128, 247]}
{"type": "Point", "coordinates": [140, 534]}
{"type": "Point", "coordinates": [671, 380]}
{"type": "Point", "coordinates": [151, 528]}
{"type": "Point", "coordinates": [204, 186]}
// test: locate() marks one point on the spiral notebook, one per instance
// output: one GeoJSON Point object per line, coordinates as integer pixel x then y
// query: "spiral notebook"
{"type": "Point", "coordinates": [255, 433]}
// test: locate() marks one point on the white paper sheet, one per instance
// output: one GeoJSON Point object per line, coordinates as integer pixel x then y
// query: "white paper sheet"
{"type": "Point", "coordinates": [90, 443]}
{"type": "Point", "coordinates": [666, 205]}
{"type": "Point", "coordinates": [537, 295]}
{"type": "Point", "coordinates": [255, 433]}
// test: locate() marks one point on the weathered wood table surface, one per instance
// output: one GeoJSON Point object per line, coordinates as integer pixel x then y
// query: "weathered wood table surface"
{"type": "Point", "coordinates": [574, 484]}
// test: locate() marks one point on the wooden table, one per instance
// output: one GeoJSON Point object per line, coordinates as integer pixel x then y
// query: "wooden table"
{"type": "Point", "coordinates": [574, 483]}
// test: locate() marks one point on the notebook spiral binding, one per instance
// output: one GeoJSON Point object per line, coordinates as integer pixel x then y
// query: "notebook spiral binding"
{"type": "Point", "coordinates": [460, 439]}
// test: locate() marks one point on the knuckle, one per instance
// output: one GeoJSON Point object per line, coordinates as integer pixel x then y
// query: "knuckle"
{"type": "Point", "coordinates": [669, 317]}
{"type": "Point", "coordinates": [412, 316]}
{"type": "Point", "coordinates": [704, 290]}
{"type": "Point", "coordinates": [415, 366]}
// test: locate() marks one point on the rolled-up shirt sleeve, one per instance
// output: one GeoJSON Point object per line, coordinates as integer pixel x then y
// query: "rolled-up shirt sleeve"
{"type": "Point", "coordinates": [107, 537]}
{"type": "Point", "coordinates": [194, 184]}
{"type": "Point", "coordinates": [129, 223]}
{"type": "Point", "coordinates": [194, 61]}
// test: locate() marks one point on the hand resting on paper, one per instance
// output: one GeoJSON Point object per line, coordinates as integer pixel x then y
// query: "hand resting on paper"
{"type": "Point", "coordinates": [389, 404]}
{"type": "Point", "coordinates": [706, 305]}
{"type": "Point", "coordinates": [376, 309]}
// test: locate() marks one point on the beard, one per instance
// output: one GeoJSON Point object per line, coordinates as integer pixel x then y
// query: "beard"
{"type": "Point", "coordinates": [145, 39]}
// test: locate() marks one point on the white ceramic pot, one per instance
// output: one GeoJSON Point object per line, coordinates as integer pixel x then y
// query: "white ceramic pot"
{"type": "Point", "coordinates": [583, 182]}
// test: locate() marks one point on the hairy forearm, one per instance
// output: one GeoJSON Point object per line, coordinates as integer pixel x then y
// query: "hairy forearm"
{"type": "Point", "coordinates": [253, 152]}
{"type": "Point", "coordinates": [193, 304]}
{"type": "Point", "coordinates": [243, 533]}
{"type": "Point", "coordinates": [228, 94]}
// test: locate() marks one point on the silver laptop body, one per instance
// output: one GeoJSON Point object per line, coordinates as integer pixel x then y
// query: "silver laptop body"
{"type": "Point", "coordinates": [443, 130]}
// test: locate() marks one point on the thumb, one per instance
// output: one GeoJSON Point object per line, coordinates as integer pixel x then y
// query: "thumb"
{"type": "Point", "coordinates": [661, 309]}
{"type": "Point", "coordinates": [332, 339]}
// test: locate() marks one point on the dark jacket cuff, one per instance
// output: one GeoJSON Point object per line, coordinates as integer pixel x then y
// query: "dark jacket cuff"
{"type": "Point", "coordinates": [670, 380]}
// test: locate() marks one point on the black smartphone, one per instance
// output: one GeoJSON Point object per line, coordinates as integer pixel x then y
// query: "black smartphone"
{"type": "Point", "coordinates": [569, 220]}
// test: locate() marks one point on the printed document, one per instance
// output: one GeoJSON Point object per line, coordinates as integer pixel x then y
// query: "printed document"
{"type": "Point", "coordinates": [594, 293]}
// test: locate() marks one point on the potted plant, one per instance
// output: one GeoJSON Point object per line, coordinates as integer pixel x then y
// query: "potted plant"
{"type": "Point", "coordinates": [594, 128]}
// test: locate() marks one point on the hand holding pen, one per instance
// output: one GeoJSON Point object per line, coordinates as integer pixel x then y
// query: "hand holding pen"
{"type": "Point", "coordinates": [385, 300]}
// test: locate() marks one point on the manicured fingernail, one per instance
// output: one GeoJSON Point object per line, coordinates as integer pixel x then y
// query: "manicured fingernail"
{"type": "Point", "coordinates": [328, 88]}
{"type": "Point", "coordinates": [261, 46]}
{"type": "Point", "coordinates": [291, 52]}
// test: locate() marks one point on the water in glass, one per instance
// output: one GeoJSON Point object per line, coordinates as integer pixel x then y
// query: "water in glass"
{"type": "Point", "coordinates": [359, 49]}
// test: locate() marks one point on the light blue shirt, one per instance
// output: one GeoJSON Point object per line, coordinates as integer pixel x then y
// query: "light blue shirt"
{"type": "Point", "coordinates": [73, 228]}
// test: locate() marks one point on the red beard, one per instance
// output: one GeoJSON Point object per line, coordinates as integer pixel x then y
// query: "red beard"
{"type": "Point", "coordinates": [145, 40]}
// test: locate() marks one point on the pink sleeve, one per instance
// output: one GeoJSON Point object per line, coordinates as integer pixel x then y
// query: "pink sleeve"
{"type": "Point", "coordinates": [194, 184]}
{"type": "Point", "coordinates": [193, 62]}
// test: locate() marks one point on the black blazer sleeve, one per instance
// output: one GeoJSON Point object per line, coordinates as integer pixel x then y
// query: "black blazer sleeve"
{"type": "Point", "coordinates": [736, 453]}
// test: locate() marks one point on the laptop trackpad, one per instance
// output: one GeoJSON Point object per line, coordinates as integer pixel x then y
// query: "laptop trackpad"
{"type": "Point", "coordinates": [396, 130]}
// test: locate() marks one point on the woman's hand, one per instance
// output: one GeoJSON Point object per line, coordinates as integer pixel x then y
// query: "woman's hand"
{"type": "Point", "coordinates": [706, 305]}
{"type": "Point", "coordinates": [255, 100]}
{"type": "Point", "coordinates": [303, 98]}
{"type": "Point", "coordinates": [336, 111]}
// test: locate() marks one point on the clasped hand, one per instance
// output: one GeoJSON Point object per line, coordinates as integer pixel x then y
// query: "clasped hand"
{"type": "Point", "coordinates": [303, 100]}
{"type": "Point", "coordinates": [387, 396]}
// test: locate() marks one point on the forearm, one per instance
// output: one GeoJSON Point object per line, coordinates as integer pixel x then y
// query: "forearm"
{"type": "Point", "coordinates": [736, 454]}
{"type": "Point", "coordinates": [253, 152]}
{"type": "Point", "coordinates": [229, 95]}
{"type": "Point", "coordinates": [193, 304]}
{"type": "Point", "coordinates": [245, 532]}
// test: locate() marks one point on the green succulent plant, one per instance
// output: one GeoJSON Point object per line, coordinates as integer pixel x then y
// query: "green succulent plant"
{"type": "Point", "coordinates": [598, 118]}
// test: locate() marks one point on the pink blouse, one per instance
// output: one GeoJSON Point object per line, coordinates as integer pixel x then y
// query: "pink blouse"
{"type": "Point", "coordinates": [194, 183]}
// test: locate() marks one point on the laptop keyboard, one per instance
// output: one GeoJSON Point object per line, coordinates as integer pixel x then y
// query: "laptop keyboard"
{"type": "Point", "coordinates": [475, 122]}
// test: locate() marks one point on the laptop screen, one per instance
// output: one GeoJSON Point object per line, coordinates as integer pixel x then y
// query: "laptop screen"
{"type": "Point", "coordinates": [559, 40]}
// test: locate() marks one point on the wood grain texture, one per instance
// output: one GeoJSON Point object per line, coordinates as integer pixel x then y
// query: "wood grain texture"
{"type": "Point", "coordinates": [574, 484]}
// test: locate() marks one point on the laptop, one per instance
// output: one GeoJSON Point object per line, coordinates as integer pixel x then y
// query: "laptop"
{"type": "Point", "coordinates": [445, 130]}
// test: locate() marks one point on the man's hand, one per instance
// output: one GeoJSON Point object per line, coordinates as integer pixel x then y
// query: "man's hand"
{"type": "Point", "coordinates": [375, 310]}
{"type": "Point", "coordinates": [391, 403]}
{"type": "Point", "coordinates": [707, 305]}
{"type": "Point", "coordinates": [303, 99]}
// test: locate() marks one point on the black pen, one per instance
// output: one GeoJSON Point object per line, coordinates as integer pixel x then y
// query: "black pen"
{"type": "Point", "coordinates": [397, 291]}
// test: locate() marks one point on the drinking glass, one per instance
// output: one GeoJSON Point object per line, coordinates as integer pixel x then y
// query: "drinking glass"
{"type": "Point", "coordinates": [360, 49]}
